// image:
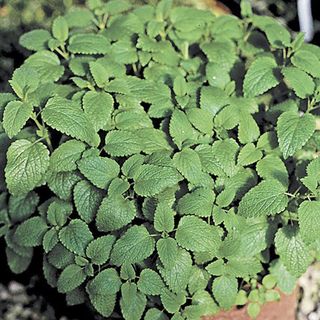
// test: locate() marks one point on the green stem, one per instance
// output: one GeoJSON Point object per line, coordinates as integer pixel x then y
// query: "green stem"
{"type": "Point", "coordinates": [43, 129]}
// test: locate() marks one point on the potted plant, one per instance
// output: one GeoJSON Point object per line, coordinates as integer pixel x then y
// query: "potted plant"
{"type": "Point", "coordinates": [162, 159]}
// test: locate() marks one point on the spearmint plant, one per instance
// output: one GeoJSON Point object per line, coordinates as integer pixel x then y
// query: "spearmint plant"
{"type": "Point", "coordinates": [163, 160]}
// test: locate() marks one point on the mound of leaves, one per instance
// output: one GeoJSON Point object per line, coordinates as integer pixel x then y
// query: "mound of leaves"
{"type": "Point", "coordinates": [162, 159]}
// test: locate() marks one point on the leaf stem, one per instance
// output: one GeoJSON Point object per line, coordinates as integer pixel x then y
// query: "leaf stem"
{"type": "Point", "coordinates": [43, 129]}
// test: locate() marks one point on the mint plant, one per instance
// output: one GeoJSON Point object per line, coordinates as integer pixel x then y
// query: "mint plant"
{"type": "Point", "coordinates": [164, 160]}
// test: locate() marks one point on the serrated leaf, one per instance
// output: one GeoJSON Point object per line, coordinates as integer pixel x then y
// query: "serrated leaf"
{"type": "Point", "coordinates": [307, 61]}
{"type": "Point", "coordinates": [167, 249]}
{"type": "Point", "coordinates": [100, 171]}
{"type": "Point", "coordinates": [188, 164]}
{"type": "Point", "coordinates": [60, 257]}
{"type": "Point", "coordinates": [201, 119]}
{"type": "Point", "coordinates": [180, 128]}
{"type": "Point", "coordinates": [133, 246]}
{"type": "Point", "coordinates": [64, 158]}
{"type": "Point", "coordinates": [301, 83]}
{"type": "Point", "coordinates": [164, 218]}
{"type": "Point", "coordinates": [151, 180]}
{"type": "Point", "coordinates": [272, 167]}
{"type": "Point", "coordinates": [114, 213]}
{"type": "Point", "coordinates": [249, 154]}
{"type": "Point", "coordinates": [196, 235]}
{"type": "Point", "coordinates": [293, 252]}
{"type": "Point", "coordinates": [278, 35]}
{"type": "Point", "coordinates": [98, 106]}
{"type": "Point", "coordinates": [58, 212]}
{"type": "Point", "coordinates": [225, 289]}
{"type": "Point", "coordinates": [176, 274]}
{"type": "Point", "coordinates": [172, 302]}
{"type": "Point", "coordinates": [15, 116]}
{"type": "Point", "coordinates": [213, 99]}
{"type": "Point", "coordinates": [155, 314]}
{"type": "Point", "coordinates": [35, 40]}
{"type": "Point", "coordinates": [294, 131]}
{"type": "Point", "coordinates": [50, 239]}
{"type": "Point", "coordinates": [260, 77]}
{"type": "Point", "coordinates": [309, 220]}
{"type": "Point", "coordinates": [87, 199]}
{"type": "Point", "coordinates": [267, 198]}
{"type": "Point", "coordinates": [76, 236]}
{"type": "Point", "coordinates": [22, 207]}
{"type": "Point", "coordinates": [89, 44]}
{"type": "Point", "coordinates": [60, 28]}
{"type": "Point", "coordinates": [132, 302]}
{"type": "Point", "coordinates": [67, 117]}
{"type": "Point", "coordinates": [150, 283]}
{"type": "Point", "coordinates": [25, 80]}
{"type": "Point", "coordinates": [121, 143]}
{"type": "Point", "coordinates": [70, 278]}
{"type": "Point", "coordinates": [99, 249]}
{"type": "Point", "coordinates": [30, 233]}
{"type": "Point", "coordinates": [198, 202]}
{"type": "Point", "coordinates": [21, 174]}
{"type": "Point", "coordinates": [17, 263]}
{"type": "Point", "coordinates": [47, 65]}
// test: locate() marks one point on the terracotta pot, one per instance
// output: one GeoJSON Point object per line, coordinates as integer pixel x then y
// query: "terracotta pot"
{"type": "Point", "coordinates": [285, 309]}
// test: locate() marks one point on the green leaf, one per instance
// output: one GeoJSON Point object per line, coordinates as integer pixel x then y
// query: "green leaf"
{"type": "Point", "coordinates": [188, 164]}
{"type": "Point", "coordinates": [114, 213]}
{"type": "Point", "coordinates": [196, 235]}
{"type": "Point", "coordinates": [60, 29]}
{"type": "Point", "coordinates": [249, 154]}
{"type": "Point", "coordinates": [89, 44]}
{"type": "Point", "coordinates": [201, 119]}
{"type": "Point", "coordinates": [134, 246]}
{"type": "Point", "coordinates": [180, 128]}
{"type": "Point", "coordinates": [254, 310]}
{"type": "Point", "coordinates": [98, 107]}
{"type": "Point", "coordinates": [15, 116]}
{"type": "Point", "coordinates": [151, 180]}
{"type": "Point", "coordinates": [213, 99]}
{"type": "Point", "coordinates": [132, 302]}
{"type": "Point", "coordinates": [307, 61]}
{"type": "Point", "coordinates": [121, 143]}
{"type": "Point", "coordinates": [155, 314]}
{"type": "Point", "coordinates": [312, 179]}
{"type": "Point", "coordinates": [35, 40]}
{"type": "Point", "coordinates": [23, 175]}
{"type": "Point", "coordinates": [260, 77]}
{"type": "Point", "coordinates": [25, 80]}
{"type": "Point", "coordinates": [293, 252]}
{"type": "Point", "coordinates": [17, 263]}
{"type": "Point", "coordinates": [99, 249]}
{"type": "Point", "coordinates": [67, 117]}
{"type": "Point", "coordinates": [172, 302]}
{"type": "Point", "coordinates": [99, 73]}
{"type": "Point", "coordinates": [272, 167]}
{"type": "Point", "coordinates": [64, 158]}
{"type": "Point", "coordinates": [167, 249]}
{"type": "Point", "coordinates": [176, 274]}
{"type": "Point", "coordinates": [30, 233]}
{"type": "Point", "coordinates": [225, 289]}
{"type": "Point", "coordinates": [309, 220]}
{"type": "Point", "coordinates": [87, 199]}
{"type": "Point", "coordinates": [164, 218]}
{"type": "Point", "coordinates": [267, 198]}
{"type": "Point", "coordinates": [60, 257]}
{"type": "Point", "coordinates": [50, 239]}
{"type": "Point", "coordinates": [23, 206]}
{"type": "Point", "coordinates": [150, 283]}
{"type": "Point", "coordinates": [100, 171]}
{"type": "Point", "coordinates": [278, 35]}
{"type": "Point", "coordinates": [198, 202]}
{"type": "Point", "coordinates": [286, 282]}
{"type": "Point", "coordinates": [70, 278]}
{"type": "Point", "coordinates": [102, 291]}
{"type": "Point", "coordinates": [58, 212]}
{"type": "Point", "coordinates": [299, 81]}
{"type": "Point", "coordinates": [47, 65]}
{"type": "Point", "coordinates": [76, 236]}
{"type": "Point", "coordinates": [294, 131]}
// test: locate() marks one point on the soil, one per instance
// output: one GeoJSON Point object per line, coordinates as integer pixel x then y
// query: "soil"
{"type": "Point", "coordinates": [285, 309]}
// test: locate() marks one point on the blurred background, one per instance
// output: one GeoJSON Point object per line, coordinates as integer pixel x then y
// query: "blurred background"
{"type": "Point", "coordinates": [34, 301]}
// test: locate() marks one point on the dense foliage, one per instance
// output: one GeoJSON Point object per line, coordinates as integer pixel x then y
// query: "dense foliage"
{"type": "Point", "coordinates": [164, 160]}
